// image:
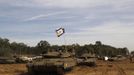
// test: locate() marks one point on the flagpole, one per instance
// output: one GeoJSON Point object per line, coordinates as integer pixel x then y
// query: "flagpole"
{"type": "Point", "coordinates": [65, 42]}
{"type": "Point", "coordinates": [60, 32]}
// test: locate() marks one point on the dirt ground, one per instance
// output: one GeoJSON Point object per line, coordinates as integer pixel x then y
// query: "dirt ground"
{"type": "Point", "coordinates": [102, 68]}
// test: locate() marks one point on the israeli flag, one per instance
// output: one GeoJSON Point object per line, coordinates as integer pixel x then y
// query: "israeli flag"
{"type": "Point", "coordinates": [60, 31]}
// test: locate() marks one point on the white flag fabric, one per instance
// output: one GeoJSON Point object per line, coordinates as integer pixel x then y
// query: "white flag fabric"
{"type": "Point", "coordinates": [60, 31]}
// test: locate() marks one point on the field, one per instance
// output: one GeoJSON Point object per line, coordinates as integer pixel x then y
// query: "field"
{"type": "Point", "coordinates": [103, 68]}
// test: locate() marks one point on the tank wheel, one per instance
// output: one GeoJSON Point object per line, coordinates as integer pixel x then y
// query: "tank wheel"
{"type": "Point", "coordinates": [60, 71]}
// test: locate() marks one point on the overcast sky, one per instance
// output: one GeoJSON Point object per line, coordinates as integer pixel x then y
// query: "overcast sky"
{"type": "Point", "coordinates": [85, 21]}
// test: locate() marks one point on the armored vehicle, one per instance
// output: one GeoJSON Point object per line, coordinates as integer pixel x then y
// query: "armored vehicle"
{"type": "Point", "coordinates": [117, 58]}
{"type": "Point", "coordinates": [52, 62]}
{"type": "Point", "coordinates": [23, 59]}
{"type": "Point", "coordinates": [86, 59]}
{"type": "Point", "coordinates": [7, 60]}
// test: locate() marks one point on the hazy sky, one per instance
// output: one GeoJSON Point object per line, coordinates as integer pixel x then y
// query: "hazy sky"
{"type": "Point", "coordinates": [85, 21]}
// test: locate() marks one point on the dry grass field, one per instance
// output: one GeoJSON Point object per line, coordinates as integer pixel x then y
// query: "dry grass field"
{"type": "Point", "coordinates": [103, 68]}
{"type": "Point", "coordinates": [12, 69]}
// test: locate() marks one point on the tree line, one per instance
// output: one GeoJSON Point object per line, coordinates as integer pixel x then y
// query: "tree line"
{"type": "Point", "coordinates": [8, 48]}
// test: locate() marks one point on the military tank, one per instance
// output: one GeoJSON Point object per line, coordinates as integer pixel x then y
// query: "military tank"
{"type": "Point", "coordinates": [7, 60]}
{"type": "Point", "coordinates": [117, 58]}
{"type": "Point", "coordinates": [86, 59]}
{"type": "Point", "coordinates": [52, 62]}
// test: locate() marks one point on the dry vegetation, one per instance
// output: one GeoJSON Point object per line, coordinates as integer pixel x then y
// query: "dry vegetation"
{"type": "Point", "coordinates": [103, 68]}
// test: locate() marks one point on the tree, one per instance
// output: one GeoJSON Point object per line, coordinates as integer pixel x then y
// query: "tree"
{"type": "Point", "coordinates": [98, 43]}
{"type": "Point", "coordinates": [43, 46]}
{"type": "Point", "coordinates": [7, 48]}
{"type": "Point", "coordinates": [132, 52]}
